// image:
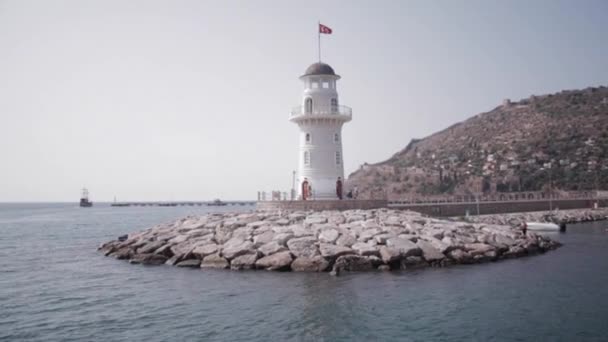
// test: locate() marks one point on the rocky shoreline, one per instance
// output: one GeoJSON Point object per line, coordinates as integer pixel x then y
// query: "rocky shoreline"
{"type": "Point", "coordinates": [556, 216]}
{"type": "Point", "coordinates": [336, 241]}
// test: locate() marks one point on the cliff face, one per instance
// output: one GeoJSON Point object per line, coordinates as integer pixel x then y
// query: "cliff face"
{"type": "Point", "coordinates": [559, 139]}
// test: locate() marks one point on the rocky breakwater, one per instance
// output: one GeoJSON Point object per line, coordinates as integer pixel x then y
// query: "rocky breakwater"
{"type": "Point", "coordinates": [353, 240]}
{"type": "Point", "coordinates": [556, 216]}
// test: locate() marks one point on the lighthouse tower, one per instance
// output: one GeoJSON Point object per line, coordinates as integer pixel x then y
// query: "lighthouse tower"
{"type": "Point", "coordinates": [320, 119]}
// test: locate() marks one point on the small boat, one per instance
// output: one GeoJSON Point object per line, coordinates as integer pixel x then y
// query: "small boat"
{"type": "Point", "coordinates": [84, 199]}
{"type": "Point", "coordinates": [217, 202]}
{"type": "Point", "coordinates": [543, 227]}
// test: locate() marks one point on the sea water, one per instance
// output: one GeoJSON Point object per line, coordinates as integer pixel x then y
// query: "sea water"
{"type": "Point", "coordinates": [55, 286]}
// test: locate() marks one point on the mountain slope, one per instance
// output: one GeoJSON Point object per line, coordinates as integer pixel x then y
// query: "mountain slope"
{"type": "Point", "coordinates": [559, 139]}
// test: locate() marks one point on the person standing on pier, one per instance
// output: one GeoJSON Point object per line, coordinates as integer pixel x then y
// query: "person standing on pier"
{"type": "Point", "coordinates": [339, 188]}
{"type": "Point", "coordinates": [305, 189]}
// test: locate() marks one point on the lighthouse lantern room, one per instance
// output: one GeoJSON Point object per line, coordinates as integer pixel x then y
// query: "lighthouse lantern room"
{"type": "Point", "coordinates": [320, 118]}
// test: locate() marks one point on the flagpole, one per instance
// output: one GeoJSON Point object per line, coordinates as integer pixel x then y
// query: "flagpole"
{"type": "Point", "coordinates": [319, 34]}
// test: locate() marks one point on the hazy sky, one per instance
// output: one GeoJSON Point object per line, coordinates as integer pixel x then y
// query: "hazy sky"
{"type": "Point", "coordinates": [189, 100]}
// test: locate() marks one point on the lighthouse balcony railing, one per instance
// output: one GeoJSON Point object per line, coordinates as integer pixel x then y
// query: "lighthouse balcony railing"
{"type": "Point", "coordinates": [322, 110]}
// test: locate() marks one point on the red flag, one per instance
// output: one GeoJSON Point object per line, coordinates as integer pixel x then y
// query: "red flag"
{"type": "Point", "coordinates": [324, 29]}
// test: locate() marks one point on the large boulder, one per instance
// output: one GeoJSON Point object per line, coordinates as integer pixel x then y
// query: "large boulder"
{"type": "Point", "coordinates": [352, 263]}
{"type": "Point", "coordinates": [461, 257]}
{"type": "Point", "coordinates": [346, 240]}
{"type": "Point", "coordinates": [263, 238]}
{"type": "Point", "coordinates": [244, 262]}
{"type": "Point", "coordinates": [478, 248]}
{"type": "Point", "coordinates": [310, 220]}
{"type": "Point", "coordinates": [389, 254]}
{"type": "Point", "coordinates": [282, 238]}
{"type": "Point", "coordinates": [214, 261]}
{"type": "Point", "coordinates": [368, 233]}
{"type": "Point", "coordinates": [189, 263]}
{"type": "Point", "coordinates": [204, 250]}
{"type": "Point", "coordinates": [406, 247]}
{"type": "Point", "coordinates": [303, 246]}
{"type": "Point", "coordinates": [429, 252]}
{"type": "Point", "coordinates": [330, 251]}
{"type": "Point", "coordinates": [150, 247]}
{"type": "Point", "coordinates": [413, 262]}
{"type": "Point", "coordinates": [329, 235]}
{"type": "Point", "coordinates": [236, 247]}
{"type": "Point", "coordinates": [275, 262]}
{"type": "Point", "coordinates": [310, 264]}
{"type": "Point", "coordinates": [272, 247]}
{"type": "Point", "coordinates": [365, 249]}
{"type": "Point", "coordinates": [148, 259]}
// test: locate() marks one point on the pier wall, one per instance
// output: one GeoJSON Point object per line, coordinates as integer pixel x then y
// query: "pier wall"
{"type": "Point", "coordinates": [436, 209]}
{"type": "Point", "coordinates": [460, 209]}
{"type": "Point", "coordinates": [322, 205]}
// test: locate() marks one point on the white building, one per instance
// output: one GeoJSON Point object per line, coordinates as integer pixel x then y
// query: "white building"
{"type": "Point", "coordinates": [320, 118]}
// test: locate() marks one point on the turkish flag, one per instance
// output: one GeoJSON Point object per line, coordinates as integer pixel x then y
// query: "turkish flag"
{"type": "Point", "coordinates": [324, 29]}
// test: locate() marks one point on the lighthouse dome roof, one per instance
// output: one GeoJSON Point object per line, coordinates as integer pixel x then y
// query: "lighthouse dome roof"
{"type": "Point", "coordinates": [319, 68]}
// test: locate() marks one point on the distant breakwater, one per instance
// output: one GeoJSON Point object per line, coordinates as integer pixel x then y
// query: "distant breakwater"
{"type": "Point", "coordinates": [335, 241]}
{"type": "Point", "coordinates": [555, 216]}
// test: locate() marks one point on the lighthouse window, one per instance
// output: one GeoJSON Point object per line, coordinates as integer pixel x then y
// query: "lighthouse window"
{"type": "Point", "coordinates": [308, 138]}
{"type": "Point", "coordinates": [307, 158]}
{"type": "Point", "coordinates": [315, 85]}
{"type": "Point", "coordinates": [308, 105]}
{"type": "Point", "coordinates": [338, 158]}
{"type": "Point", "coordinates": [326, 85]}
{"type": "Point", "coordinates": [334, 105]}
{"type": "Point", "coordinates": [336, 138]}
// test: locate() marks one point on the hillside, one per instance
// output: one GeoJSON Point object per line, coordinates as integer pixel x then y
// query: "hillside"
{"type": "Point", "coordinates": [559, 139]}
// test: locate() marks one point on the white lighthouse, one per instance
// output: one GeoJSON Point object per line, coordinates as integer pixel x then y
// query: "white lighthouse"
{"type": "Point", "coordinates": [320, 118]}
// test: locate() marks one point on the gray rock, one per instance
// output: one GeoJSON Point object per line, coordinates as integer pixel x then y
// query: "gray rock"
{"type": "Point", "coordinates": [429, 252]}
{"type": "Point", "coordinates": [244, 262]}
{"type": "Point", "coordinates": [413, 262]}
{"type": "Point", "coordinates": [330, 251]}
{"type": "Point", "coordinates": [236, 247]}
{"type": "Point", "coordinates": [282, 222]}
{"type": "Point", "coordinates": [406, 247]}
{"type": "Point", "coordinates": [346, 240]}
{"type": "Point", "coordinates": [271, 248]}
{"type": "Point", "coordinates": [275, 262]}
{"type": "Point", "coordinates": [150, 247]}
{"type": "Point", "coordinates": [263, 238]}
{"type": "Point", "coordinates": [368, 234]}
{"type": "Point", "coordinates": [365, 249]}
{"type": "Point", "coordinates": [460, 256]}
{"type": "Point", "coordinates": [204, 250]}
{"type": "Point", "coordinates": [478, 248]}
{"type": "Point", "coordinates": [189, 263]}
{"type": "Point", "coordinates": [384, 268]}
{"type": "Point", "coordinates": [329, 235]}
{"type": "Point", "coordinates": [122, 253]}
{"type": "Point", "coordinates": [282, 238]}
{"type": "Point", "coordinates": [382, 238]}
{"type": "Point", "coordinates": [315, 220]}
{"type": "Point", "coordinates": [303, 246]}
{"type": "Point", "coordinates": [352, 263]}
{"type": "Point", "coordinates": [148, 259]}
{"type": "Point", "coordinates": [310, 264]}
{"type": "Point", "coordinates": [389, 254]}
{"type": "Point", "coordinates": [164, 250]}
{"type": "Point", "coordinates": [214, 261]}
{"type": "Point", "coordinates": [223, 234]}
{"type": "Point", "coordinates": [243, 233]}
{"type": "Point", "coordinates": [299, 231]}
